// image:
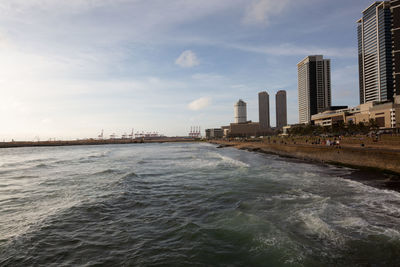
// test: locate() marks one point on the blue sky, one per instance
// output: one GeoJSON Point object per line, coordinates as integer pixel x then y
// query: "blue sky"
{"type": "Point", "coordinates": [71, 68]}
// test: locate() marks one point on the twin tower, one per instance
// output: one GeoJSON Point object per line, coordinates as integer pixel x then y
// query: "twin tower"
{"type": "Point", "coordinates": [263, 110]}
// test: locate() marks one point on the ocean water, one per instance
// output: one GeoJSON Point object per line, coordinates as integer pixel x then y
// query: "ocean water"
{"type": "Point", "coordinates": [188, 205]}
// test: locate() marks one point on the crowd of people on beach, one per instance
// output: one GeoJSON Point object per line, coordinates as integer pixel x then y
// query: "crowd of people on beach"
{"type": "Point", "coordinates": [335, 142]}
{"type": "Point", "coordinates": [328, 142]}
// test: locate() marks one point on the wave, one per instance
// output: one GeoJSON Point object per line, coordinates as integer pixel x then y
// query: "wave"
{"type": "Point", "coordinates": [210, 160]}
{"type": "Point", "coordinates": [32, 220]}
{"type": "Point", "coordinates": [126, 178]}
{"type": "Point", "coordinates": [107, 171]}
{"type": "Point", "coordinates": [2, 172]}
{"type": "Point", "coordinates": [98, 155]}
{"type": "Point", "coordinates": [299, 194]}
{"type": "Point", "coordinates": [352, 222]}
{"type": "Point", "coordinates": [42, 166]}
{"type": "Point", "coordinates": [221, 160]}
{"type": "Point", "coordinates": [130, 175]}
{"type": "Point", "coordinates": [24, 162]}
{"type": "Point", "coordinates": [63, 161]}
{"type": "Point", "coordinates": [279, 241]}
{"type": "Point", "coordinates": [92, 157]}
{"type": "Point", "coordinates": [233, 162]}
{"type": "Point", "coordinates": [315, 226]}
{"type": "Point", "coordinates": [24, 177]}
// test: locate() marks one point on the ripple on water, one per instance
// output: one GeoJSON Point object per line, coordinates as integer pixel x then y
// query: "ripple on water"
{"type": "Point", "coordinates": [189, 204]}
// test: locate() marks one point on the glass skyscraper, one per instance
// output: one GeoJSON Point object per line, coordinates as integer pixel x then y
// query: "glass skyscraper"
{"type": "Point", "coordinates": [314, 85]}
{"type": "Point", "coordinates": [395, 7]}
{"type": "Point", "coordinates": [375, 53]}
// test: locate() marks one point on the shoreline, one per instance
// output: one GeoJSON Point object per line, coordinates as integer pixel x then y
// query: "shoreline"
{"type": "Point", "coordinates": [93, 142]}
{"type": "Point", "coordinates": [380, 168]}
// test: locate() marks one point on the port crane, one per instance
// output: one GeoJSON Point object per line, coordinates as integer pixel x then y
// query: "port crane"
{"type": "Point", "coordinates": [131, 135]}
{"type": "Point", "coordinates": [100, 136]}
{"type": "Point", "coordinates": [195, 132]}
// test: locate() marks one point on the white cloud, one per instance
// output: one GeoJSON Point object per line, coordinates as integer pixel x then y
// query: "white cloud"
{"type": "Point", "coordinates": [187, 59]}
{"type": "Point", "coordinates": [260, 11]}
{"type": "Point", "coordinates": [200, 103]}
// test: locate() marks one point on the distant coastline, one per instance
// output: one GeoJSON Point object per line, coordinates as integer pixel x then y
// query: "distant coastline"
{"type": "Point", "coordinates": [93, 142]}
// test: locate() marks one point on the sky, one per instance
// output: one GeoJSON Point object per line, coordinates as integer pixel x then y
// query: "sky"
{"type": "Point", "coordinates": [69, 69]}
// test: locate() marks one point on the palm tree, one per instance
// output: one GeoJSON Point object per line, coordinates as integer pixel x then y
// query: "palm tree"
{"type": "Point", "coordinates": [373, 125]}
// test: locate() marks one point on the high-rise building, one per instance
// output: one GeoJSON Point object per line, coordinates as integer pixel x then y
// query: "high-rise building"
{"type": "Point", "coordinates": [240, 112]}
{"type": "Point", "coordinates": [314, 86]}
{"type": "Point", "coordinates": [395, 8]}
{"type": "Point", "coordinates": [263, 110]}
{"type": "Point", "coordinates": [281, 109]}
{"type": "Point", "coordinates": [375, 53]}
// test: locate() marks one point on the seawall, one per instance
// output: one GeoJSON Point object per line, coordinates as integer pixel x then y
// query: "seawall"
{"type": "Point", "coordinates": [360, 157]}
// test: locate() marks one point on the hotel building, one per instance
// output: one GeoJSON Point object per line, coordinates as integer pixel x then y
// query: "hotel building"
{"type": "Point", "coordinates": [375, 53]}
{"type": "Point", "coordinates": [240, 112]}
{"type": "Point", "coordinates": [386, 115]}
{"type": "Point", "coordinates": [263, 110]}
{"type": "Point", "coordinates": [281, 109]}
{"type": "Point", "coordinates": [314, 86]}
{"type": "Point", "coordinates": [395, 10]}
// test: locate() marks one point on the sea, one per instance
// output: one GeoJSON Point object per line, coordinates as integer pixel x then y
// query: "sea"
{"type": "Point", "coordinates": [188, 204]}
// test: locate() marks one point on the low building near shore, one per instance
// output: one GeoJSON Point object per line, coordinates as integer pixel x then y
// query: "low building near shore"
{"type": "Point", "coordinates": [225, 130]}
{"type": "Point", "coordinates": [246, 129]}
{"type": "Point", "coordinates": [386, 115]}
{"type": "Point", "coordinates": [214, 133]}
{"type": "Point", "coordinates": [330, 117]}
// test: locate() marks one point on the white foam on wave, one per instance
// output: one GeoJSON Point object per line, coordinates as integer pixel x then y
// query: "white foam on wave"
{"type": "Point", "coordinates": [392, 233]}
{"type": "Point", "coordinates": [375, 200]}
{"type": "Point", "coordinates": [364, 188]}
{"type": "Point", "coordinates": [308, 174]}
{"type": "Point", "coordinates": [315, 225]}
{"type": "Point", "coordinates": [277, 240]}
{"type": "Point", "coordinates": [196, 163]}
{"type": "Point", "coordinates": [294, 195]}
{"type": "Point", "coordinates": [210, 160]}
{"type": "Point", "coordinates": [220, 159]}
{"type": "Point", "coordinates": [352, 222]}
{"type": "Point", "coordinates": [232, 162]}
{"type": "Point", "coordinates": [369, 211]}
